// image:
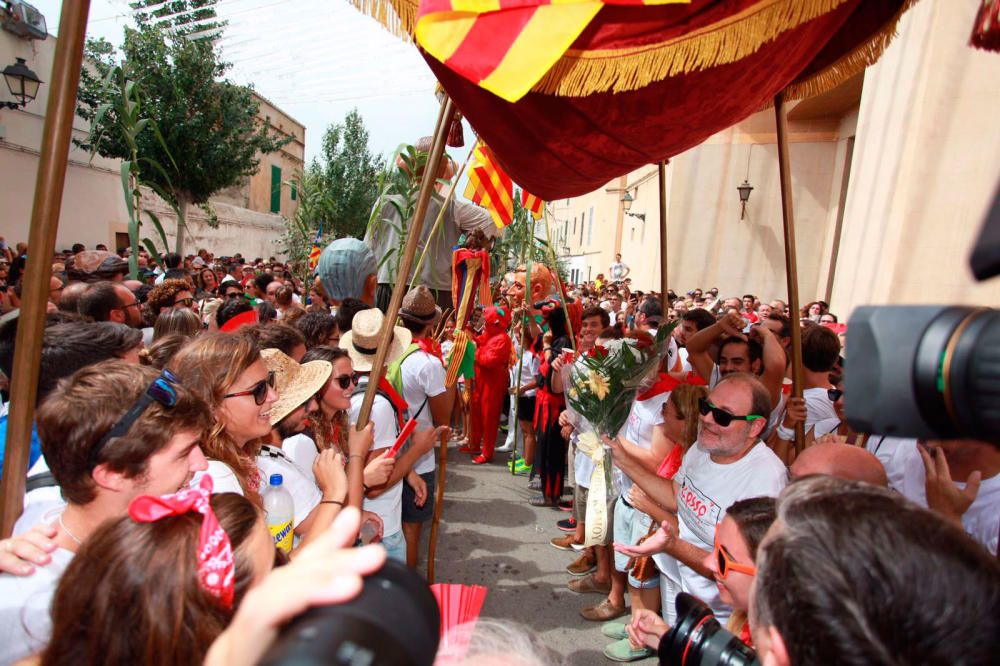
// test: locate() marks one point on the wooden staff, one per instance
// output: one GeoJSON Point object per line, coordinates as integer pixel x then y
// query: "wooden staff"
{"type": "Point", "coordinates": [438, 502]}
{"type": "Point", "coordinates": [440, 218]}
{"type": "Point", "coordinates": [52, 162]}
{"type": "Point", "coordinates": [791, 267]}
{"type": "Point", "coordinates": [662, 169]}
{"type": "Point", "coordinates": [406, 263]}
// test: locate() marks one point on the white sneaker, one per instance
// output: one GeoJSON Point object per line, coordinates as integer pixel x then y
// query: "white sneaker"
{"type": "Point", "coordinates": [506, 448]}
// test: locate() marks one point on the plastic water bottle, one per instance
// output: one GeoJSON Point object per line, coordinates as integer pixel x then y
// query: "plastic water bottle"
{"type": "Point", "coordinates": [280, 513]}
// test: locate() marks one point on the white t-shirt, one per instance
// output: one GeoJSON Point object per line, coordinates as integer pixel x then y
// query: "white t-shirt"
{"type": "Point", "coordinates": [886, 449]}
{"type": "Point", "coordinates": [388, 505]}
{"type": "Point", "coordinates": [39, 501]}
{"type": "Point", "coordinates": [981, 521]}
{"type": "Point", "coordinates": [638, 429]}
{"type": "Point", "coordinates": [301, 450]}
{"type": "Point", "coordinates": [423, 377]}
{"type": "Point", "coordinates": [617, 270]}
{"type": "Point", "coordinates": [305, 494]}
{"type": "Point", "coordinates": [818, 406]}
{"type": "Point", "coordinates": [705, 490]}
{"type": "Point", "coordinates": [25, 620]}
{"type": "Point", "coordinates": [682, 354]}
{"type": "Point", "coordinates": [528, 371]}
{"type": "Point", "coordinates": [224, 479]}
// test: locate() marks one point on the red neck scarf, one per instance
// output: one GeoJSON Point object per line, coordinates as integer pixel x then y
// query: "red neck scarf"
{"type": "Point", "coordinates": [430, 346]}
{"type": "Point", "coordinates": [664, 384]}
{"type": "Point", "coordinates": [216, 567]}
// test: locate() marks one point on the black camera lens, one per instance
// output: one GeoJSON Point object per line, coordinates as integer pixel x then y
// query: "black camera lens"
{"type": "Point", "coordinates": [395, 620]}
{"type": "Point", "coordinates": [697, 639]}
{"type": "Point", "coordinates": [924, 371]}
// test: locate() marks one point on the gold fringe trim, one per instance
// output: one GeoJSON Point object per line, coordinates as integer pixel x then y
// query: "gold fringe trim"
{"type": "Point", "coordinates": [580, 73]}
{"type": "Point", "coordinates": [850, 64]}
{"type": "Point", "coordinates": [397, 16]}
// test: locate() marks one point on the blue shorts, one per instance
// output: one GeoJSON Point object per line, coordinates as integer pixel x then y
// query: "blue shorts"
{"type": "Point", "coordinates": [630, 526]}
{"type": "Point", "coordinates": [395, 546]}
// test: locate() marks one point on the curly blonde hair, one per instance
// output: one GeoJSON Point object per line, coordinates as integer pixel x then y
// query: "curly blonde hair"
{"type": "Point", "coordinates": [164, 294]}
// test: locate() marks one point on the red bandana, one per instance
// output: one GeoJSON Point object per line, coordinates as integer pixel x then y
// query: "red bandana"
{"type": "Point", "coordinates": [430, 346]}
{"type": "Point", "coordinates": [664, 384]}
{"type": "Point", "coordinates": [395, 398]}
{"type": "Point", "coordinates": [216, 568]}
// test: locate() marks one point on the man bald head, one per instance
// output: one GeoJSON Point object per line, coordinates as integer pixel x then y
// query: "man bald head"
{"type": "Point", "coordinates": [842, 461]}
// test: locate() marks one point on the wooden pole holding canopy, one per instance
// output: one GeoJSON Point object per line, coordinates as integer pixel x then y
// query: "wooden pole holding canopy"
{"type": "Point", "coordinates": [662, 172]}
{"type": "Point", "coordinates": [791, 266]}
{"type": "Point", "coordinates": [432, 540]}
{"type": "Point", "coordinates": [52, 163]}
{"type": "Point", "coordinates": [406, 262]}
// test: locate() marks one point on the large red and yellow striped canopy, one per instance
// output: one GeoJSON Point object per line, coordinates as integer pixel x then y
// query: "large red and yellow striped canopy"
{"type": "Point", "coordinates": [640, 84]}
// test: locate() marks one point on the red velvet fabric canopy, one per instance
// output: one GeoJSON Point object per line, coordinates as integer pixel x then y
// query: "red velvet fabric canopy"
{"type": "Point", "coordinates": [558, 146]}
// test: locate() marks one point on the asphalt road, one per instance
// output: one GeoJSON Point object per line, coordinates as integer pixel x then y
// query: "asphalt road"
{"type": "Point", "coordinates": [491, 536]}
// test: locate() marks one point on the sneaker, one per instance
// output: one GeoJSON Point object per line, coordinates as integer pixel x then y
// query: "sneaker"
{"type": "Point", "coordinates": [568, 525]}
{"type": "Point", "coordinates": [521, 469]}
{"type": "Point", "coordinates": [506, 448]}
{"type": "Point", "coordinates": [535, 485]}
{"type": "Point", "coordinates": [515, 463]}
{"type": "Point", "coordinates": [615, 630]}
{"type": "Point", "coordinates": [565, 505]}
{"type": "Point", "coordinates": [540, 500]}
{"type": "Point", "coordinates": [563, 542]}
{"type": "Point", "coordinates": [581, 566]}
{"type": "Point", "coordinates": [622, 650]}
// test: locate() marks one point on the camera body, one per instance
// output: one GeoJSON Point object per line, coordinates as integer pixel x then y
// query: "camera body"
{"type": "Point", "coordinates": [395, 620]}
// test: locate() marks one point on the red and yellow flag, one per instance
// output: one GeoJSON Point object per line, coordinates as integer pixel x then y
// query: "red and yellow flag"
{"type": "Point", "coordinates": [532, 204]}
{"type": "Point", "coordinates": [490, 187]}
{"type": "Point", "coordinates": [506, 46]}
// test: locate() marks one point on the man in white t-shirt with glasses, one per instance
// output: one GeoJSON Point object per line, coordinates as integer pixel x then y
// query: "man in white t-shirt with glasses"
{"type": "Point", "coordinates": [727, 463]}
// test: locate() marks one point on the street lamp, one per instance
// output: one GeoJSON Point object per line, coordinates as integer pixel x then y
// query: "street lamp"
{"type": "Point", "coordinates": [627, 205]}
{"type": "Point", "coordinates": [745, 189]}
{"type": "Point", "coordinates": [22, 83]}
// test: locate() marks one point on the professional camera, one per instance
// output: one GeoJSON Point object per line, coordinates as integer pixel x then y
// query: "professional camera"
{"type": "Point", "coordinates": [924, 371]}
{"type": "Point", "coordinates": [697, 639]}
{"type": "Point", "coordinates": [929, 371]}
{"type": "Point", "coordinates": [395, 620]}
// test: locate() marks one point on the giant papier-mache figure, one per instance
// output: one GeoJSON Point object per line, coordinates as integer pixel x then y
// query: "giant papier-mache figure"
{"type": "Point", "coordinates": [493, 351]}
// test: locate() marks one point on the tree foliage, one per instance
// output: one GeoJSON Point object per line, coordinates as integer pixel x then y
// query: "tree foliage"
{"type": "Point", "coordinates": [208, 124]}
{"type": "Point", "coordinates": [350, 173]}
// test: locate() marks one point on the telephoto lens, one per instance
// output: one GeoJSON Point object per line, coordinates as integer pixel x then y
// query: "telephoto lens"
{"type": "Point", "coordinates": [929, 371]}
{"type": "Point", "coordinates": [395, 620]}
{"type": "Point", "coordinates": [699, 640]}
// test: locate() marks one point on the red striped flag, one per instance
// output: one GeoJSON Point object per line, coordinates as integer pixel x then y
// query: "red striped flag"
{"type": "Point", "coordinates": [506, 46]}
{"type": "Point", "coordinates": [490, 187]}
{"type": "Point", "coordinates": [532, 204]}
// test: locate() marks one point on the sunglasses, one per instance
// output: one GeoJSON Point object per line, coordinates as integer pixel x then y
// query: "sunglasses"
{"type": "Point", "coordinates": [161, 391]}
{"type": "Point", "coordinates": [258, 390]}
{"type": "Point", "coordinates": [234, 294]}
{"type": "Point", "coordinates": [721, 416]}
{"type": "Point", "coordinates": [343, 381]}
{"type": "Point", "coordinates": [186, 302]}
{"type": "Point", "coordinates": [727, 564]}
{"type": "Point", "coordinates": [834, 394]}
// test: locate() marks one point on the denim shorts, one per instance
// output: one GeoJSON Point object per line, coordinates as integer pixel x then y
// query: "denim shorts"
{"type": "Point", "coordinates": [630, 526]}
{"type": "Point", "coordinates": [395, 546]}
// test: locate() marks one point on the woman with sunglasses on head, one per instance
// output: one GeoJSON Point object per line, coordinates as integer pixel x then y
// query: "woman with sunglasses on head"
{"type": "Point", "coordinates": [330, 426]}
{"type": "Point", "coordinates": [732, 565]}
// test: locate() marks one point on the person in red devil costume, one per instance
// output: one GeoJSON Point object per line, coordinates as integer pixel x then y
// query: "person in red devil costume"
{"type": "Point", "coordinates": [493, 352]}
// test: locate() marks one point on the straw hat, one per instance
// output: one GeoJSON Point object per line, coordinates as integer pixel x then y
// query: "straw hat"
{"type": "Point", "coordinates": [419, 306]}
{"type": "Point", "coordinates": [361, 342]}
{"type": "Point", "coordinates": [293, 382]}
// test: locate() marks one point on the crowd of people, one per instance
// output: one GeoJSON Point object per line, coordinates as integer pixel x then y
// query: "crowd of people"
{"type": "Point", "coordinates": [169, 406]}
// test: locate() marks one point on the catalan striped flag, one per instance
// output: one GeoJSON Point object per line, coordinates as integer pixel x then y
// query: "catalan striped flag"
{"type": "Point", "coordinates": [316, 249]}
{"type": "Point", "coordinates": [506, 46]}
{"type": "Point", "coordinates": [532, 204]}
{"type": "Point", "coordinates": [490, 187]}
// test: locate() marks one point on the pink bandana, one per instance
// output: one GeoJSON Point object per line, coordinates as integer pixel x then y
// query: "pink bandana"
{"type": "Point", "coordinates": [216, 568]}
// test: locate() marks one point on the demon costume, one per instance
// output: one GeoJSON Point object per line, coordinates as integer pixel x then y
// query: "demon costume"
{"type": "Point", "coordinates": [493, 351]}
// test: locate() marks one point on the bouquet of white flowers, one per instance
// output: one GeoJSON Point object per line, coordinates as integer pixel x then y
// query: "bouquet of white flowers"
{"type": "Point", "coordinates": [600, 387]}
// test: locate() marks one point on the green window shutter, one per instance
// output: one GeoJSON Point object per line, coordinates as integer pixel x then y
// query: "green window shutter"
{"type": "Point", "coordinates": [295, 190]}
{"type": "Point", "coordinates": [275, 189]}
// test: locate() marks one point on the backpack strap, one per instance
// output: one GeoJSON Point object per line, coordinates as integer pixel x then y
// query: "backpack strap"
{"type": "Point", "coordinates": [40, 480]}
